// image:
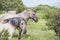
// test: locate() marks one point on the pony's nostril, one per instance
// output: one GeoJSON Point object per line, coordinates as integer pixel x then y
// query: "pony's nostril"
{"type": "Point", "coordinates": [35, 19]}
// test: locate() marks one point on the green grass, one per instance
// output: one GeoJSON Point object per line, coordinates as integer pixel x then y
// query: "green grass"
{"type": "Point", "coordinates": [38, 31]}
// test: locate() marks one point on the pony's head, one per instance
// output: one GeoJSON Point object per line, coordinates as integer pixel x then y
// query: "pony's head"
{"type": "Point", "coordinates": [32, 15]}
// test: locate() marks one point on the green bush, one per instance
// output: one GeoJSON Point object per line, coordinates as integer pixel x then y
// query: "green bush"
{"type": "Point", "coordinates": [4, 35]}
{"type": "Point", "coordinates": [51, 15]}
{"type": "Point", "coordinates": [12, 5]}
{"type": "Point", "coordinates": [56, 23]}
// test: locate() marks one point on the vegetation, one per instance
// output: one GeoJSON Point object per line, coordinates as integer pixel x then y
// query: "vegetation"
{"type": "Point", "coordinates": [47, 27]}
{"type": "Point", "coordinates": [4, 35]}
{"type": "Point", "coordinates": [12, 5]}
{"type": "Point", "coordinates": [51, 15]}
{"type": "Point", "coordinates": [56, 23]}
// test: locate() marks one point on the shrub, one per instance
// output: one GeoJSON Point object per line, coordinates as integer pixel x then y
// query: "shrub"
{"type": "Point", "coordinates": [4, 35]}
{"type": "Point", "coordinates": [56, 23]}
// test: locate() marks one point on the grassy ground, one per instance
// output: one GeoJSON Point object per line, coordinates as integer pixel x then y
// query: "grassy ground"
{"type": "Point", "coordinates": [38, 31]}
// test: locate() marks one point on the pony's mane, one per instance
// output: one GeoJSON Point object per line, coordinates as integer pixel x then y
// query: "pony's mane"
{"type": "Point", "coordinates": [26, 10]}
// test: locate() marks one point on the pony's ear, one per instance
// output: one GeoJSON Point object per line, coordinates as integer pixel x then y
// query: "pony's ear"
{"type": "Point", "coordinates": [6, 21]}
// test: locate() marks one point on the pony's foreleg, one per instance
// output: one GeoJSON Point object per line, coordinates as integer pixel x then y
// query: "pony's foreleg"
{"type": "Point", "coordinates": [19, 34]}
{"type": "Point", "coordinates": [23, 27]}
{"type": "Point", "coordinates": [24, 31]}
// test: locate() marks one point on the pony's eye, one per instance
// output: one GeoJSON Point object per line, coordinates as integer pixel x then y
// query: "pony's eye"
{"type": "Point", "coordinates": [33, 14]}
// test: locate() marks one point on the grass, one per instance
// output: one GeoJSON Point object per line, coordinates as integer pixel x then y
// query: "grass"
{"type": "Point", "coordinates": [38, 31]}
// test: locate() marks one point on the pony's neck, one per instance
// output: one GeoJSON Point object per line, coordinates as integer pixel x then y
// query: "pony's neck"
{"type": "Point", "coordinates": [26, 16]}
{"type": "Point", "coordinates": [27, 19]}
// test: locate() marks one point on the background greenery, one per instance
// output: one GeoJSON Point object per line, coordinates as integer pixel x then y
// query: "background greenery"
{"type": "Point", "coordinates": [48, 26]}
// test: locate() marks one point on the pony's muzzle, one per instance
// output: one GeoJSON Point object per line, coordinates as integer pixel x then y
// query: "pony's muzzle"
{"type": "Point", "coordinates": [35, 19]}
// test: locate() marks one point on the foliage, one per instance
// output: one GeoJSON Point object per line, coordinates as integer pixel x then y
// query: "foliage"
{"type": "Point", "coordinates": [56, 22]}
{"type": "Point", "coordinates": [51, 15]}
{"type": "Point", "coordinates": [4, 35]}
{"type": "Point", "coordinates": [12, 5]}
